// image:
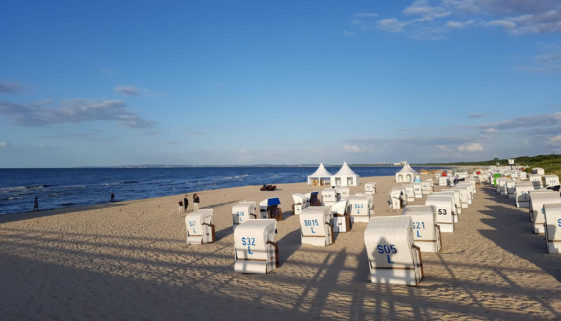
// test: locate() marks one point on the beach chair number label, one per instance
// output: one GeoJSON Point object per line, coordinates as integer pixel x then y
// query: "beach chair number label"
{"type": "Point", "coordinates": [387, 249]}
{"type": "Point", "coordinates": [240, 216]}
{"type": "Point", "coordinates": [249, 242]}
{"type": "Point", "coordinates": [192, 224]}
{"type": "Point", "coordinates": [358, 207]}
{"type": "Point", "coordinates": [417, 226]}
{"type": "Point", "coordinates": [559, 222]}
{"type": "Point", "coordinates": [442, 211]}
{"type": "Point", "coordinates": [311, 224]}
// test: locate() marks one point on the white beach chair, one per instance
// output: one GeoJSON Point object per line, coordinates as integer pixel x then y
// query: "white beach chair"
{"type": "Point", "coordinates": [426, 187]}
{"type": "Point", "coordinates": [370, 188]}
{"type": "Point", "coordinates": [397, 198]}
{"type": "Point", "coordinates": [457, 205]}
{"type": "Point", "coordinates": [243, 211]}
{"type": "Point", "coordinates": [444, 214]}
{"type": "Point", "coordinates": [471, 190]}
{"type": "Point", "coordinates": [426, 232]}
{"type": "Point", "coordinates": [392, 255]}
{"type": "Point", "coordinates": [502, 186]}
{"type": "Point", "coordinates": [255, 248]}
{"type": "Point", "coordinates": [199, 227]}
{"type": "Point", "coordinates": [315, 225]}
{"type": "Point", "coordinates": [301, 201]}
{"type": "Point", "coordinates": [341, 219]}
{"type": "Point", "coordinates": [511, 189]}
{"type": "Point", "coordinates": [417, 190]}
{"type": "Point", "coordinates": [551, 180]}
{"type": "Point", "coordinates": [522, 191]}
{"type": "Point", "coordinates": [329, 196]}
{"type": "Point", "coordinates": [498, 185]}
{"type": "Point", "coordinates": [370, 201]}
{"type": "Point", "coordinates": [537, 201]}
{"type": "Point", "coordinates": [359, 208]}
{"type": "Point", "coordinates": [552, 213]}
{"type": "Point", "coordinates": [409, 192]}
{"type": "Point", "coordinates": [538, 170]}
{"type": "Point", "coordinates": [344, 192]}
{"type": "Point", "coordinates": [464, 194]}
{"type": "Point", "coordinates": [536, 179]}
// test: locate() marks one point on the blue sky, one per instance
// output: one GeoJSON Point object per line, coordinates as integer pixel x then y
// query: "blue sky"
{"type": "Point", "coordinates": [246, 82]}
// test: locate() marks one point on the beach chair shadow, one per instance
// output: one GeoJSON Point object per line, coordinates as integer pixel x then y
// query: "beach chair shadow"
{"type": "Point", "coordinates": [513, 233]}
{"type": "Point", "coordinates": [288, 245]}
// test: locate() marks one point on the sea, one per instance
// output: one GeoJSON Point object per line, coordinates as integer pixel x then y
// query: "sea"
{"type": "Point", "coordinates": [67, 187]}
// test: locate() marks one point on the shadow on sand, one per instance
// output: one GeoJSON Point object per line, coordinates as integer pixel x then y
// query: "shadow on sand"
{"type": "Point", "coordinates": [512, 231]}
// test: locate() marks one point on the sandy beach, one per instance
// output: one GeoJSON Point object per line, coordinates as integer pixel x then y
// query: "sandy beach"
{"type": "Point", "coordinates": [129, 261]}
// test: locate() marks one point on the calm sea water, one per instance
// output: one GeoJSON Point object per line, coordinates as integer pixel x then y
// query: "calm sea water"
{"type": "Point", "coordinates": [64, 187]}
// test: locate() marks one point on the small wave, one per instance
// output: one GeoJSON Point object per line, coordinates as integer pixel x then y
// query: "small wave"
{"type": "Point", "coordinates": [36, 186]}
{"type": "Point", "coordinates": [110, 184]}
{"type": "Point", "coordinates": [66, 187]}
{"type": "Point", "coordinates": [131, 182]}
{"type": "Point", "coordinates": [11, 198]}
{"type": "Point", "coordinates": [67, 204]}
{"type": "Point", "coordinates": [12, 189]}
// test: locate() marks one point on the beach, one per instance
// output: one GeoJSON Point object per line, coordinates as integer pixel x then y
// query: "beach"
{"type": "Point", "coordinates": [129, 261]}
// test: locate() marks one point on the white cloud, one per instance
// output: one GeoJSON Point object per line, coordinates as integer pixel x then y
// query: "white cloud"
{"type": "Point", "coordinates": [366, 15]}
{"type": "Point", "coordinates": [489, 131]}
{"type": "Point", "coordinates": [352, 148]}
{"type": "Point", "coordinates": [128, 90]}
{"type": "Point", "coordinates": [10, 87]}
{"type": "Point", "coordinates": [459, 24]}
{"type": "Point", "coordinates": [440, 16]}
{"type": "Point", "coordinates": [391, 25]}
{"type": "Point", "coordinates": [555, 140]}
{"type": "Point", "coordinates": [477, 115]}
{"type": "Point", "coordinates": [502, 23]}
{"type": "Point", "coordinates": [527, 121]}
{"type": "Point", "coordinates": [425, 11]}
{"type": "Point", "coordinates": [470, 147]}
{"type": "Point", "coordinates": [347, 33]}
{"type": "Point", "coordinates": [73, 111]}
{"type": "Point", "coordinates": [3, 144]}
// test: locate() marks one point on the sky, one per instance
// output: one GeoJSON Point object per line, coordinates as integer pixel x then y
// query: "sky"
{"type": "Point", "coordinates": [108, 83]}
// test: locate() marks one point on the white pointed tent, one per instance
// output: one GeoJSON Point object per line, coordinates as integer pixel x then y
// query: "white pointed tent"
{"type": "Point", "coordinates": [406, 174]}
{"type": "Point", "coordinates": [345, 177]}
{"type": "Point", "coordinates": [320, 177]}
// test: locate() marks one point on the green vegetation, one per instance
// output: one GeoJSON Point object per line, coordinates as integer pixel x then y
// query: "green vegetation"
{"type": "Point", "coordinates": [550, 163]}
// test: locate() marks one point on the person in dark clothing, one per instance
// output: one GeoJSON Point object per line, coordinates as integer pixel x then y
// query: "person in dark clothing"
{"type": "Point", "coordinates": [36, 204]}
{"type": "Point", "coordinates": [196, 201]}
{"type": "Point", "coordinates": [185, 202]}
{"type": "Point", "coordinates": [112, 197]}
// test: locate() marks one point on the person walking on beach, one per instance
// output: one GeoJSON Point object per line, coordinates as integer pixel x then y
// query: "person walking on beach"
{"type": "Point", "coordinates": [36, 204]}
{"type": "Point", "coordinates": [180, 207]}
{"type": "Point", "coordinates": [112, 197]}
{"type": "Point", "coordinates": [185, 203]}
{"type": "Point", "coordinates": [196, 201]}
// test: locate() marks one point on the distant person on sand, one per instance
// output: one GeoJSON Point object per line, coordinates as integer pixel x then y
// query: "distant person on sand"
{"type": "Point", "coordinates": [196, 201]}
{"type": "Point", "coordinates": [180, 207]}
{"type": "Point", "coordinates": [36, 204]}
{"type": "Point", "coordinates": [112, 197]}
{"type": "Point", "coordinates": [185, 202]}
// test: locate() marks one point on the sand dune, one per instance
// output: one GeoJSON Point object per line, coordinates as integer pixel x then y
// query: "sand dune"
{"type": "Point", "coordinates": [129, 261]}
